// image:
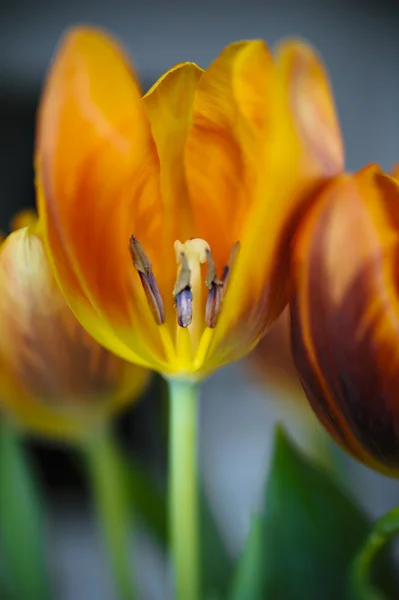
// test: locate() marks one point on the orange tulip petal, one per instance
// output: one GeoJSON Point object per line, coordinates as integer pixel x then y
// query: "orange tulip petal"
{"type": "Point", "coordinates": [230, 100]}
{"type": "Point", "coordinates": [99, 172]}
{"type": "Point", "coordinates": [395, 171]}
{"type": "Point", "coordinates": [312, 106]}
{"type": "Point", "coordinates": [170, 110]}
{"type": "Point", "coordinates": [169, 105]}
{"type": "Point", "coordinates": [345, 314]}
{"type": "Point", "coordinates": [289, 168]}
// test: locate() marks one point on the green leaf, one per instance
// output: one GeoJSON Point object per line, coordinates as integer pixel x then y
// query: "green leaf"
{"type": "Point", "coordinates": [248, 580]}
{"type": "Point", "coordinates": [216, 562]}
{"type": "Point", "coordinates": [5, 587]}
{"type": "Point", "coordinates": [307, 537]}
{"type": "Point", "coordinates": [21, 522]}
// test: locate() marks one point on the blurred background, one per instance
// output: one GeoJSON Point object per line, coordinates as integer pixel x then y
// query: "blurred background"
{"type": "Point", "coordinates": [359, 43]}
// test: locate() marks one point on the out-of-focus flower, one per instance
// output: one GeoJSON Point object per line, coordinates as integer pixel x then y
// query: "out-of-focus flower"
{"type": "Point", "coordinates": [395, 171]}
{"type": "Point", "coordinates": [24, 218]}
{"type": "Point", "coordinates": [345, 314]}
{"type": "Point", "coordinates": [54, 378]}
{"type": "Point", "coordinates": [222, 160]}
{"type": "Point", "coordinates": [272, 363]}
{"type": "Point", "coordinates": [273, 360]}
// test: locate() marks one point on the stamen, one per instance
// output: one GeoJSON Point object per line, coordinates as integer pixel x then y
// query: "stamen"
{"type": "Point", "coordinates": [184, 278]}
{"type": "Point", "coordinates": [143, 266]}
{"type": "Point", "coordinates": [215, 294]}
{"type": "Point", "coordinates": [213, 304]}
{"type": "Point", "coordinates": [211, 274]}
{"type": "Point", "coordinates": [217, 287]}
{"type": "Point", "coordinates": [182, 293]}
{"type": "Point", "coordinates": [184, 307]}
{"type": "Point", "coordinates": [232, 258]}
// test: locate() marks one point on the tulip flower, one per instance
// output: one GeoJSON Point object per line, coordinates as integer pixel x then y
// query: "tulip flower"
{"type": "Point", "coordinates": [55, 380]}
{"type": "Point", "coordinates": [168, 216]}
{"type": "Point", "coordinates": [165, 214]}
{"type": "Point", "coordinates": [345, 314]}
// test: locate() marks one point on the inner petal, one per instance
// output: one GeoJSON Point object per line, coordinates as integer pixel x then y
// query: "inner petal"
{"type": "Point", "coordinates": [98, 169]}
{"type": "Point", "coordinates": [169, 105]}
{"type": "Point", "coordinates": [223, 154]}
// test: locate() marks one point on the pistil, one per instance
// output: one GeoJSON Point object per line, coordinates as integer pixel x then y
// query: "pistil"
{"type": "Point", "coordinates": [187, 292]}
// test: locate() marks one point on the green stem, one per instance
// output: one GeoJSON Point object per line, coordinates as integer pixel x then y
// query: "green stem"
{"type": "Point", "coordinates": [382, 532]}
{"type": "Point", "coordinates": [22, 534]}
{"type": "Point", "coordinates": [183, 497]}
{"type": "Point", "coordinates": [111, 504]}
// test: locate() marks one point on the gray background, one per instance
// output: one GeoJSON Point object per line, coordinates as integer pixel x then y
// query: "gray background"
{"type": "Point", "coordinates": [359, 43]}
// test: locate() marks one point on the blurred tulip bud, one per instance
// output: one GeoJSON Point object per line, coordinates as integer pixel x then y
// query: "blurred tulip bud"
{"type": "Point", "coordinates": [274, 366]}
{"type": "Point", "coordinates": [24, 218]}
{"type": "Point", "coordinates": [273, 360]}
{"type": "Point", "coordinates": [345, 314]}
{"type": "Point", "coordinates": [54, 378]}
{"type": "Point", "coordinates": [395, 171]}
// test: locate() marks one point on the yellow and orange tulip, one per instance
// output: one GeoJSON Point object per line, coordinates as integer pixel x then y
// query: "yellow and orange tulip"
{"type": "Point", "coordinates": [345, 314]}
{"type": "Point", "coordinates": [55, 380]}
{"type": "Point", "coordinates": [153, 207]}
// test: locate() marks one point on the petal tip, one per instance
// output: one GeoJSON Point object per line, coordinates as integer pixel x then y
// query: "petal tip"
{"type": "Point", "coordinates": [179, 70]}
{"type": "Point", "coordinates": [311, 103]}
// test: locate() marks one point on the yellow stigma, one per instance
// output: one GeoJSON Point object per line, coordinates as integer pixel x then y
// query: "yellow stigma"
{"type": "Point", "coordinates": [195, 251]}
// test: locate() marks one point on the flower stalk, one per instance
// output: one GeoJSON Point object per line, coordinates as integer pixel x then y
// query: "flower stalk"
{"type": "Point", "coordinates": [111, 504]}
{"type": "Point", "coordinates": [183, 492]}
{"type": "Point", "coordinates": [384, 529]}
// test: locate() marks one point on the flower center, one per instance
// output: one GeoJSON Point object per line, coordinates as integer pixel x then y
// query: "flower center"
{"type": "Point", "coordinates": [188, 289]}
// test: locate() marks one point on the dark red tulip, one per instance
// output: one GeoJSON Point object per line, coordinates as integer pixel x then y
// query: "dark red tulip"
{"type": "Point", "coordinates": [345, 314]}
